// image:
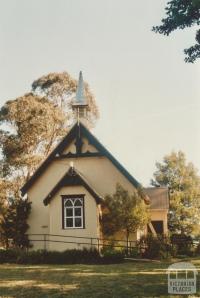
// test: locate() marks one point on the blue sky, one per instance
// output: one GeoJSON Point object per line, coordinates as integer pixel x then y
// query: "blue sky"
{"type": "Point", "coordinates": [147, 95]}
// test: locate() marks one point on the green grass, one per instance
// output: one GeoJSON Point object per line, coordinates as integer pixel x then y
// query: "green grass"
{"type": "Point", "coordinates": [131, 279]}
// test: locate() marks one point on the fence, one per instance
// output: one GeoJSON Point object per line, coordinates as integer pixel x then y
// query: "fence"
{"type": "Point", "coordinates": [89, 242]}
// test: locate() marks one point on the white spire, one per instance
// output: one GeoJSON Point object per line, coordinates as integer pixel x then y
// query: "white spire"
{"type": "Point", "coordinates": [80, 92]}
{"type": "Point", "coordinates": [80, 105]}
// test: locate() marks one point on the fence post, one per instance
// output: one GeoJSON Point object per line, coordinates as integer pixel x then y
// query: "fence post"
{"type": "Point", "coordinates": [91, 242]}
{"type": "Point", "coordinates": [98, 245]}
{"type": "Point", "coordinates": [45, 244]}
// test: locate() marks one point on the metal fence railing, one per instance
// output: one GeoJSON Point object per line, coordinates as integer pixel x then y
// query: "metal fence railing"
{"type": "Point", "coordinates": [91, 242]}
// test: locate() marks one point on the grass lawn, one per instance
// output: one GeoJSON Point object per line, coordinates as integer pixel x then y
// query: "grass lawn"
{"type": "Point", "coordinates": [130, 279]}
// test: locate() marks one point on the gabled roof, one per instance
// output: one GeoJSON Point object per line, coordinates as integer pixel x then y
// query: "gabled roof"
{"type": "Point", "coordinates": [77, 131]}
{"type": "Point", "coordinates": [72, 178]}
{"type": "Point", "coordinates": [159, 197]}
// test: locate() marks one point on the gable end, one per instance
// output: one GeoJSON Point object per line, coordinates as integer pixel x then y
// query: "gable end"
{"type": "Point", "coordinates": [72, 178]}
{"type": "Point", "coordinates": [76, 133]}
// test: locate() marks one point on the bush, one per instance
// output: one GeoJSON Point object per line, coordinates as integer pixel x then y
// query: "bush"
{"type": "Point", "coordinates": [152, 247]}
{"type": "Point", "coordinates": [72, 256]}
{"type": "Point", "coordinates": [197, 250]}
{"type": "Point", "coordinates": [8, 256]}
{"type": "Point", "coordinates": [110, 255]}
{"type": "Point", "coordinates": [134, 252]}
{"type": "Point", "coordinates": [183, 244]}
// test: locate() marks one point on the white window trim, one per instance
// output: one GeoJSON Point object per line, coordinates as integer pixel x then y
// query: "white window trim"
{"type": "Point", "coordinates": [73, 200]}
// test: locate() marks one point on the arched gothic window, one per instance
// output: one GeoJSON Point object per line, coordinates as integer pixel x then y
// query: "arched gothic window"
{"type": "Point", "coordinates": [73, 210]}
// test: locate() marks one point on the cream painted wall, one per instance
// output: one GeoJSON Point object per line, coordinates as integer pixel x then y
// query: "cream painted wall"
{"type": "Point", "coordinates": [39, 218]}
{"type": "Point", "coordinates": [91, 229]}
{"type": "Point", "coordinates": [99, 172]}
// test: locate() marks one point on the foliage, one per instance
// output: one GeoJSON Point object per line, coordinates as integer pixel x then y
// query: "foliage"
{"type": "Point", "coordinates": [60, 89]}
{"type": "Point", "coordinates": [7, 225]}
{"type": "Point", "coordinates": [123, 212]}
{"type": "Point", "coordinates": [70, 256]}
{"type": "Point", "coordinates": [164, 247]}
{"type": "Point", "coordinates": [184, 188]}
{"type": "Point", "coordinates": [14, 223]}
{"type": "Point", "coordinates": [134, 252]}
{"type": "Point", "coordinates": [183, 244]}
{"type": "Point", "coordinates": [152, 247]}
{"type": "Point", "coordinates": [34, 123]}
{"type": "Point", "coordinates": [197, 251]}
{"type": "Point", "coordinates": [180, 15]}
{"type": "Point", "coordinates": [111, 255]}
{"type": "Point", "coordinates": [30, 127]}
{"type": "Point", "coordinates": [3, 201]}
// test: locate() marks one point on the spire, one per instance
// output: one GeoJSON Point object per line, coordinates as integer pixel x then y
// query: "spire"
{"type": "Point", "coordinates": [80, 92]}
{"type": "Point", "coordinates": [79, 105]}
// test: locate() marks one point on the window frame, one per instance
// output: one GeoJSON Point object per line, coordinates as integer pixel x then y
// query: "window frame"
{"type": "Point", "coordinates": [73, 197]}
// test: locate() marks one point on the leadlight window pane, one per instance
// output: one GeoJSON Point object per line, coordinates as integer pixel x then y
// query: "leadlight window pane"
{"type": "Point", "coordinates": [69, 222]}
{"type": "Point", "coordinates": [78, 202]}
{"type": "Point", "coordinates": [69, 212]}
{"type": "Point", "coordinates": [68, 203]}
{"type": "Point", "coordinates": [78, 211]}
{"type": "Point", "coordinates": [78, 222]}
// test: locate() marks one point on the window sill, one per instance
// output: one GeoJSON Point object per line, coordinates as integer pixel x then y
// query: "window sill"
{"type": "Point", "coordinates": [73, 228]}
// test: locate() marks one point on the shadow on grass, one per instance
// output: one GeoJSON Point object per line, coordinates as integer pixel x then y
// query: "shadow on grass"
{"type": "Point", "coordinates": [120, 280]}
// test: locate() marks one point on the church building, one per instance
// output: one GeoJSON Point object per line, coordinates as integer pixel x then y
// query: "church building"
{"type": "Point", "coordinates": [68, 188]}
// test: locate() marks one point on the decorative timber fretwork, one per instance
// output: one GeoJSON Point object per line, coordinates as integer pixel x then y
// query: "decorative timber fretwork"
{"type": "Point", "coordinates": [72, 178]}
{"type": "Point", "coordinates": [75, 155]}
{"type": "Point", "coordinates": [78, 142]}
{"type": "Point", "coordinates": [76, 132]}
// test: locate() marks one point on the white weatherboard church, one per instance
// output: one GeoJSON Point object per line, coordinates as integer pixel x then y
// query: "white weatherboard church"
{"type": "Point", "coordinates": [68, 188]}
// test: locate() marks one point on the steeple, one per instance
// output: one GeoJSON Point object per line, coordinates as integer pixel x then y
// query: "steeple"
{"type": "Point", "coordinates": [80, 105]}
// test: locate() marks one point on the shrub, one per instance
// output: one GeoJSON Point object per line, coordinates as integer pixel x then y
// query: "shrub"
{"type": "Point", "coordinates": [14, 225]}
{"type": "Point", "coordinates": [72, 256]}
{"type": "Point", "coordinates": [197, 250]}
{"type": "Point", "coordinates": [134, 252]}
{"type": "Point", "coordinates": [8, 256]}
{"type": "Point", "coordinates": [183, 244]}
{"type": "Point", "coordinates": [110, 255]}
{"type": "Point", "coordinates": [152, 247]}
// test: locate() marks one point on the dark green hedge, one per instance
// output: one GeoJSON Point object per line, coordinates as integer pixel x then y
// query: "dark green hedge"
{"type": "Point", "coordinates": [72, 256]}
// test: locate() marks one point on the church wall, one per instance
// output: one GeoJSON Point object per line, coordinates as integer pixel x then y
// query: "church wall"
{"type": "Point", "coordinates": [91, 215]}
{"type": "Point", "coordinates": [99, 172]}
{"type": "Point", "coordinates": [38, 219]}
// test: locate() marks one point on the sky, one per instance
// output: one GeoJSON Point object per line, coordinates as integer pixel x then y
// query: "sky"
{"type": "Point", "coordinates": [147, 95]}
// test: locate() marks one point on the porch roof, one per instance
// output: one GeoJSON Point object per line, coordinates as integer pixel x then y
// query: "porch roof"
{"type": "Point", "coordinates": [159, 197]}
